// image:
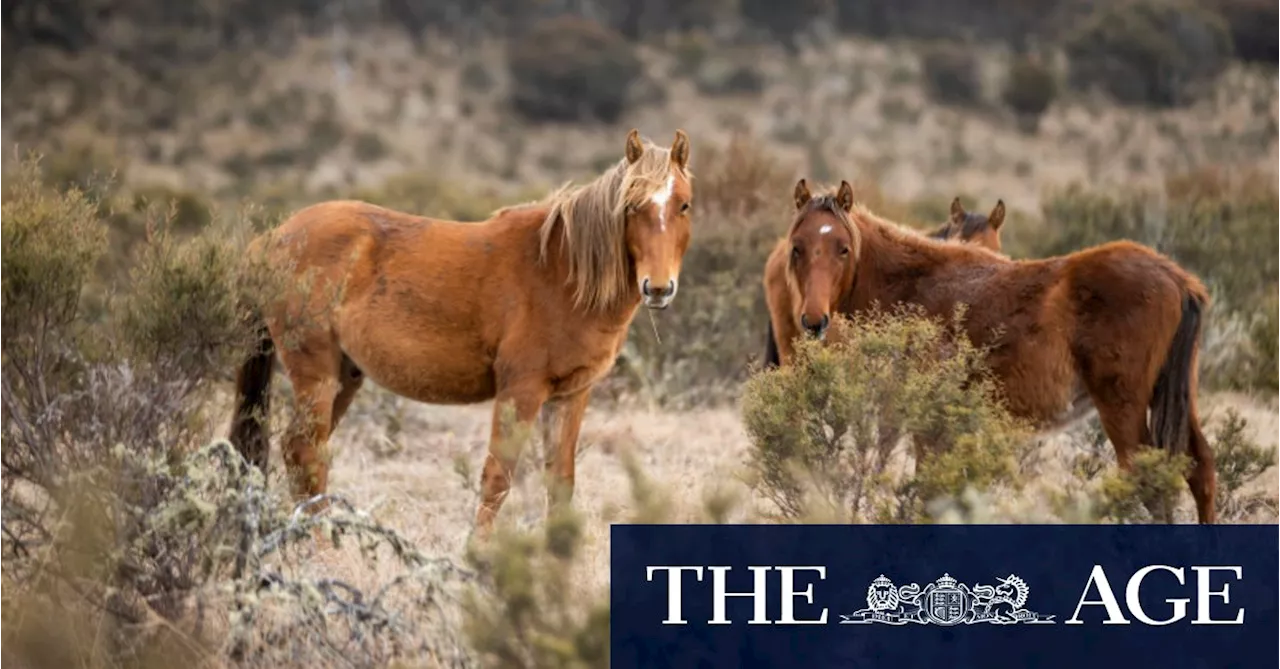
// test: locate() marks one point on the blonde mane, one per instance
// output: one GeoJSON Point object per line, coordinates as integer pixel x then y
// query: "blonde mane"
{"type": "Point", "coordinates": [593, 220]}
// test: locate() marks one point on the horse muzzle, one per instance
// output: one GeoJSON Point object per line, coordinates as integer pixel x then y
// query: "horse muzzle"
{"type": "Point", "coordinates": [656, 297]}
{"type": "Point", "coordinates": [815, 330]}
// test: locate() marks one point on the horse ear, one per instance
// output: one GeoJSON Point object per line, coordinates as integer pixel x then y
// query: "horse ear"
{"type": "Point", "coordinates": [957, 210]}
{"type": "Point", "coordinates": [844, 196]}
{"type": "Point", "coordinates": [634, 148]}
{"type": "Point", "coordinates": [997, 216]}
{"type": "Point", "coordinates": [680, 150]}
{"type": "Point", "coordinates": [802, 194]}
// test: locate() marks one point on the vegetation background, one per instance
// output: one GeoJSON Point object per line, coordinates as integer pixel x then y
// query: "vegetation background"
{"type": "Point", "coordinates": [168, 133]}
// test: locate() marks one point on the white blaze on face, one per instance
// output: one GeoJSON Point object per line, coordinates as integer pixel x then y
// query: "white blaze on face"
{"type": "Point", "coordinates": [826, 229]}
{"type": "Point", "coordinates": [660, 198]}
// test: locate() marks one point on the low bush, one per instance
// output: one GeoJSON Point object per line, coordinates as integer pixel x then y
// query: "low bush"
{"type": "Point", "coordinates": [827, 432]}
{"type": "Point", "coordinates": [951, 74]}
{"type": "Point", "coordinates": [571, 69]}
{"type": "Point", "coordinates": [1253, 28]}
{"type": "Point", "coordinates": [1264, 337]}
{"type": "Point", "coordinates": [1029, 90]}
{"type": "Point", "coordinates": [1149, 52]}
{"type": "Point", "coordinates": [1241, 463]}
{"type": "Point", "coordinates": [639, 20]}
{"type": "Point", "coordinates": [126, 542]}
{"type": "Point", "coordinates": [785, 20]}
{"type": "Point", "coordinates": [1148, 490]}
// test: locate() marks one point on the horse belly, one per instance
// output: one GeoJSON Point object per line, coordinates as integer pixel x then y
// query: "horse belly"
{"type": "Point", "coordinates": [434, 370]}
{"type": "Point", "coordinates": [1077, 406]}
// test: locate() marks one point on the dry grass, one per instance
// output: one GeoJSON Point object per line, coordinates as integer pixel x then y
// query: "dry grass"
{"type": "Point", "coordinates": [691, 455]}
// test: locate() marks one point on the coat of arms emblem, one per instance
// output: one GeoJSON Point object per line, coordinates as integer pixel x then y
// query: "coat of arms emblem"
{"type": "Point", "coordinates": [947, 601]}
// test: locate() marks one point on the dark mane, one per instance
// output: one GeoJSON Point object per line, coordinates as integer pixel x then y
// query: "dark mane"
{"type": "Point", "coordinates": [825, 203]}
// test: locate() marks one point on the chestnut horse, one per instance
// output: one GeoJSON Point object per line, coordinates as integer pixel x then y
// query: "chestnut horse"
{"type": "Point", "coordinates": [961, 226]}
{"type": "Point", "coordinates": [529, 308]}
{"type": "Point", "coordinates": [1114, 327]}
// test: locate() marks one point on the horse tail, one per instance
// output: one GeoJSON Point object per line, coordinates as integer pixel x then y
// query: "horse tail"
{"type": "Point", "coordinates": [1171, 400]}
{"type": "Point", "coordinates": [771, 357]}
{"type": "Point", "coordinates": [253, 399]}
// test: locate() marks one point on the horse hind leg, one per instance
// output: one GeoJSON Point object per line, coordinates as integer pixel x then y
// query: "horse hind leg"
{"type": "Point", "coordinates": [1125, 424]}
{"type": "Point", "coordinates": [1202, 479]}
{"type": "Point", "coordinates": [315, 371]}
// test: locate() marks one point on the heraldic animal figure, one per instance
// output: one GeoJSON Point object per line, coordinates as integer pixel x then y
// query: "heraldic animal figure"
{"type": "Point", "coordinates": [1001, 604]}
{"type": "Point", "coordinates": [946, 602]}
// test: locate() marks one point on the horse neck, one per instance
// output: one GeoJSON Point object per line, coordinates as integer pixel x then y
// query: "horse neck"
{"type": "Point", "coordinates": [892, 262]}
{"type": "Point", "coordinates": [555, 269]}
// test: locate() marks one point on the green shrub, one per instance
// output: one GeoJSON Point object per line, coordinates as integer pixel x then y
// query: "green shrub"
{"type": "Point", "coordinates": [717, 77]}
{"type": "Point", "coordinates": [188, 211]}
{"type": "Point", "coordinates": [1264, 335]}
{"type": "Point", "coordinates": [785, 20]}
{"type": "Point", "coordinates": [1015, 22]}
{"type": "Point", "coordinates": [1030, 89]}
{"type": "Point", "coordinates": [951, 74]}
{"type": "Point", "coordinates": [1240, 462]}
{"type": "Point", "coordinates": [1253, 27]}
{"type": "Point", "coordinates": [656, 17]}
{"type": "Point", "coordinates": [1148, 51]}
{"type": "Point", "coordinates": [121, 532]}
{"type": "Point", "coordinates": [1149, 490]}
{"type": "Point", "coordinates": [531, 613]}
{"type": "Point", "coordinates": [826, 432]}
{"type": "Point", "coordinates": [571, 69]}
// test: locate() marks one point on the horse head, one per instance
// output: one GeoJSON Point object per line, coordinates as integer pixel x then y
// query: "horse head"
{"type": "Point", "coordinates": [824, 254]}
{"type": "Point", "coordinates": [658, 202]}
{"type": "Point", "coordinates": [974, 228]}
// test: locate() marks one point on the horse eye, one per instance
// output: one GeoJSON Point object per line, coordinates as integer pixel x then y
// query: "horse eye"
{"type": "Point", "coordinates": [795, 252]}
{"type": "Point", "coordinates": [684, 207]}
{"type": "Point", "coordinates": [844, 251]}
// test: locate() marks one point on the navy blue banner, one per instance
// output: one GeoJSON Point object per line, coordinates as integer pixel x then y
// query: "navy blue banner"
{"type": "Point", "coordinates": [812, 596]}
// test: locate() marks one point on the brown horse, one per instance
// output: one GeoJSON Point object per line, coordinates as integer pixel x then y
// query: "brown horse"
{"type": "Point", "coordinates": [961, 227]}
{"type": "Point", "coordinates": [528, 308]}
{"type": "Point", "coordinates": [964, 226]}
{"type": "Point", "coordinates": [1115, 327]}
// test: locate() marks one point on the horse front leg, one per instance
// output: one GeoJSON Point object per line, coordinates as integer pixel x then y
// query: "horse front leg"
{"type": "Point", "coordinates": [506, 440]}
{"type": "Point", "coordinates": [561, 423]}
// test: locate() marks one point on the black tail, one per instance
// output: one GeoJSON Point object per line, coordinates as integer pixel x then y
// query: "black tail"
{"type": "Point", "coordinates": [253, 401]}
{"type": "Point", "coordinates": [1171, 399]}
{"type": "Point", "coordinates": [771, 358]}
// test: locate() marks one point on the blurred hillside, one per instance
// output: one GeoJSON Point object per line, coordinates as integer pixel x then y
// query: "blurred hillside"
{"type": "Point", "coordinates": [285, 102]}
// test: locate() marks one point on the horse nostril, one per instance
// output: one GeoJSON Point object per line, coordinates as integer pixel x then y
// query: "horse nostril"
{"type": "Point", "coordinates": [817, 328]}
{"type": "Point", "coordinates": [649, 291]}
